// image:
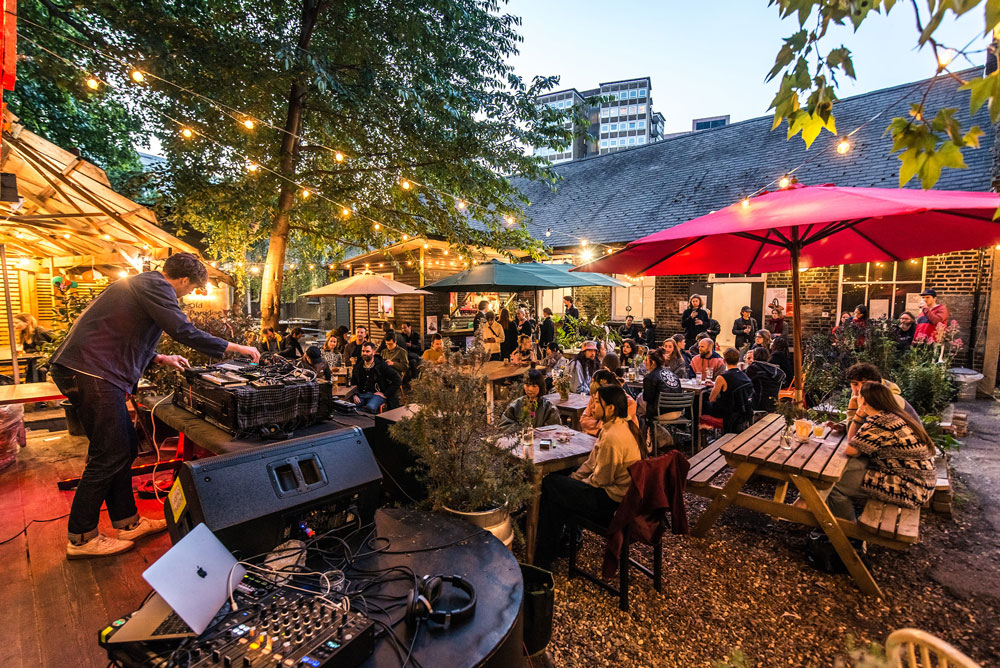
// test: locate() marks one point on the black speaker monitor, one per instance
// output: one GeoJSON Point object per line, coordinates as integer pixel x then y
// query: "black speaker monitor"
{"type": "Point", "coordinates": [257, 499]}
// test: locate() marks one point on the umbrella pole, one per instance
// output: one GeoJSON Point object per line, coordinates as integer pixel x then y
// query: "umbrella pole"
{"type": "Point", "coordinates": [797, 324]}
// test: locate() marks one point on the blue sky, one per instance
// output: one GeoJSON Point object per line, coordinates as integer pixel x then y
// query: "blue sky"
{"type": "Point", "coordinates": [709, 58]}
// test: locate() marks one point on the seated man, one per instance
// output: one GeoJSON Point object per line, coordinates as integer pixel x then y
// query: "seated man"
{"type": "Point", "coordinates": [708, 364]}
{"type": "Point", "coordinates": [377, 383]}
{"type": "Point", "coordinates": [291, 347]}
{"type": "Point", "coordinates": [395, 355]}
{"type": "Point", "coordinates": [314, 362]}
{"type": "Point", "coordinates": [596, 489]}
{"type": "Point", "coordinates": [353, 348]}
{"type": "Point", "coordinates": [554, 359]}
{"type": "Point", "coordinates": [604, 378]}
{"type": "Point", "coordinates": [731, 386]}
{"type": "Point", "coordinates": [767, 379]}
{"type": "Point", "coordinates": [411, 340]}
{"type": "Point", "coordinates": [532, 409]}
{"type": "Point", "coordinates": [435, 354]}
{"type": "Point", "coordinates": [525, 352]}
{"type": "Point", "coordinates": [269, 341]}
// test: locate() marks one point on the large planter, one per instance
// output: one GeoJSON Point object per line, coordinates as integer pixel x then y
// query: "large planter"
{"type": "Point", "coordinates": [496, 521]}
{"type": "Point", "coordinates": [73, 424]}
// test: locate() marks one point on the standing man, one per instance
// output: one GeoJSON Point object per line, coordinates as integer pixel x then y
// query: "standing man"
{"type": "Point", "coordinates": [744, 327]}
{"type": "Point", "coordinates": [547, 332]}
{"type": "Point", "coordinates": [931, 315]}
{"type": "Point", "coordinates": [629, 330]}
{"type": "Point", "coordinates": [352, 351]}
{"type": "Point", "coordinates": [99, 363]}
{"type": "Point", "coordinates": [480, 316]}
{"type": "Point", "coordinates": [571, 310]}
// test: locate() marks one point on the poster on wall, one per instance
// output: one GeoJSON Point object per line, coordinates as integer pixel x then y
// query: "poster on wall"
{"type": "Point", "coordinates": [914, 302]}
{"type": "Point", "coordinates": [878, 308]}
{"type": "Point", "coordinates": [432, 325]}
{"type": "Point", "coordinates": [776, 297]}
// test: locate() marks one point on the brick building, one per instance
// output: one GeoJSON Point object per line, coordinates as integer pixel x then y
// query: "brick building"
{"type": "Point", "coordinates": [602, 202]}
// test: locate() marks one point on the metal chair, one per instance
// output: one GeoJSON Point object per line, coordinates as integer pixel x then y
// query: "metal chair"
{"type": "Point", "coordinates": [912, 648]}
{"type": "Point", "coordinates": [674, 402]}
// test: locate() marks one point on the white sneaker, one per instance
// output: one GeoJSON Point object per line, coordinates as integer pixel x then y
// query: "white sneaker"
{"type": "Point", "coordinates": [145, 527]}
{"type": "Point", "coordinates": [101, 546]}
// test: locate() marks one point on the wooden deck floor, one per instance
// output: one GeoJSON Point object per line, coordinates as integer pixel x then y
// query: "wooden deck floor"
{"type": "Point", "coordinates": [51, 609]}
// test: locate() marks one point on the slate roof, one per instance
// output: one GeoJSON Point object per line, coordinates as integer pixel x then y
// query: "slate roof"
{"type": "Point", "coordinates": [623, 196]}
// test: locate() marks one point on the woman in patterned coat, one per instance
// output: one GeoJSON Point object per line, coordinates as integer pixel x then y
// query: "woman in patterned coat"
{"type": "Point", "coordinates": [892, 457]}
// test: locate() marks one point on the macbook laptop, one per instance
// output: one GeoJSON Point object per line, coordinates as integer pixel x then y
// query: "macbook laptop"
{"type": "Point", "coordinates": [190, 583]}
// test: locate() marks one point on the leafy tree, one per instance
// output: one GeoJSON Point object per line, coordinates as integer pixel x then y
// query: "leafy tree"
{"type": "Point", "coordinates": [927, 140]}
{"type": "Point", "coordinates": [52, 99]}
{"type": "Point", "coordinates": [407, 90]}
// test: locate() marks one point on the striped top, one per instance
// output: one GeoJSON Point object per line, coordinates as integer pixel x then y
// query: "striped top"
{"type": "Point", "coordinates": [900, 468]}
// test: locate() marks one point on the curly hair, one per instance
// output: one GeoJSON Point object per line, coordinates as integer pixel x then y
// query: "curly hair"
{"type": "Point", "coordinates": [186, 265]}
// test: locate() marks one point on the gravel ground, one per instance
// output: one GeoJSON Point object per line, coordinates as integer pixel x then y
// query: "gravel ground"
{"type": "Point", "coordinates": [747, 585]}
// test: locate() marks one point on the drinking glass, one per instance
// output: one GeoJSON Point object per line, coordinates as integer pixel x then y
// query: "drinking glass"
{"type": "Point", "coordinates": [786, 438]}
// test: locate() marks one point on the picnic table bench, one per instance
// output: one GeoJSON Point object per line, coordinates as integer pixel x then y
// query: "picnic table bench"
{"type": "Point", "coordinates": [812, 466]}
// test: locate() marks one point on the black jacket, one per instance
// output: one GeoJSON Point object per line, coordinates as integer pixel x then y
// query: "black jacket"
{"type": "Point", "coordinates": [547, 334]}
{"type": "Point", "coordinates": [714, 328]}
{"type": "Point", "coordinates": [386, 380]}
{"type": "Point", "coordinates": [768, 379]}
{"type": "Point", "coordinates": [742, 338]}
{"type": "Point", "coordinates": [691, 330]}
{"type": "Point", "coordinates": [115, 338]}
{"type": "Point", "coordinates": [412, 343]}
{"type": "Point", "coordinates": [784, 360]}
{"type": "Point", "coordinates": [649, 336]}
{"type": "Point", "coordinates": [629, 331]}
{"type": "Point", "coordinates": [291, 348]}
{"type": "Point", "coordinates": [656, 383]}
{"type": "Point", "coordinates": [477, 321]}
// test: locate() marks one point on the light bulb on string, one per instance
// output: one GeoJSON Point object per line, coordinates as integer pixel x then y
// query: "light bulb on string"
{"type": "Point", "coordinates": [584, 242]}
{"type": "Point", "coordinates": [404, 184]}
{"type": "Point", "coordinates": [253, 167]}
{"type": "Point", "coordinates": [187, 133]}
{"type": "Point", "coordinates": [510, 220]}
{"type": "Point", "coordinates": [460, 204]}
{"type": "Point", "coordinates": [784, 182]}
{"type": "Point", "coordinates": [745, 202]}
{"type": "Point", "coordinates": [306, 193]}
{"type": "Point", "coordinates": [445, 251]}
{"type": "Point", "coordinates": [248, 123]}
{"type": "Point", "coordinates": [123, 274]}
{"type": "Point", "coordinates": [377, 227]}
{"type": "Point", "coordinates": [312, 266]}
{"type": "Point", "coordinates": [345, 212]}
{"type": "Point", "coordinates": [426, 245]}
{"type": "Point", "coordinates": [138, 76]}
{"type": "Point", "coordinates": [92, 83]}
{"type": "Point", "coordinates": [338, 156]}
{"type": "Point", "coordinates": [945, 56]}
{"type": "Point", "coordinates": [406, 237]}
{"type": "Point", "coordinates": [843, 146]}
{"type": "Point", "coordinates": [548, 232]}
{"type": "Point", "coordinates": [255, 269]}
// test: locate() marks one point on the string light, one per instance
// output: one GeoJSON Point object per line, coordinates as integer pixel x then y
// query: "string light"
{"type": "Point", "coordinates": [843, 146]}
{"type": "Point", "coordinates": [377, 227]}
{"type": "Point", "coordinates": [404, 184]}
{"type": "Point", "coordinates": [248, 123]}
{"type": "Point", "coordinates": [122, 274]}
{"type": "Point", "coordinates": [784, 182]}
{"type": "Point", "coordinates": [107, 237]}
{"type": "Point", "coordinates": [460, 204]}
{"type": "Point", "coordinates": [138, 76]}
{"type": "Point", "coordinates": [745, 202]}
{"type": "Point", "coordinates": [93, 83]}
{"type": "Point", "coordinates": [445, 251]}
{"type": "Point", "coordinates": [66, 236]}
{"type": "Point", "coordinates": [584, 242]}
{"type": "Point", "coordinates": [312, 266]}
{"type": "Point", "coordinates": [306, 193]}
{"type": "Point", "coordinates": [187, 133]}
{"type": "Point", "coordinates": [510, 220]}
{"type": "Point", "coordinates": [345, 212]}
{"type": "Point", "coordinates": [548, 232]}
{"type": "Point", "coordinates": [338, 156]}
{"type": "Point", "coordinates": [426, 245]}
{"type": "Point", "coordinates": [255, 269]}
{"type": "Point", "coordinates": [945, 57]}
{"type": "Point", "coordinates": [406, 237]}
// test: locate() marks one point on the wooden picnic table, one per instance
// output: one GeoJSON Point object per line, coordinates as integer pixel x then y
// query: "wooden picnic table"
{"type": "Point", "coordinates": [572, 408]}
{"type": "Point", "coordinates": [29, 393]}
{"type": "Point", "coordinates": [497, 372]}
{"type": "Point", "coordinates": [813, 466]}
{"type": "Point", "coordinates": [558, 457]}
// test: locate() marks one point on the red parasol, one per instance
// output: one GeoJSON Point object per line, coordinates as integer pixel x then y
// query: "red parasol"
{"type": "Point", "coordinates": [812, 226]}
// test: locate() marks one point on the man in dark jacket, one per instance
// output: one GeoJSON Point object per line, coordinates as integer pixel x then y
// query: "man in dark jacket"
{"type": "Point", "coordinates": [411, 340]}
{"type": "Point", "coordinates": [98, 365]}
{"type": "Point", "coordinates": [629, 330]}
{"type": "Point", "coordinates": [291, 347]}
{"type": "Point", "coordinates": [744, 327]}
{"type": "Point", "coordinates": [571, 310]}
{"type": "Point", "coordinates": [714, 328]}
{"type": "Point", "coordinates": [767, 379]}
{"type": "Point", "coordinates": [547, 332]}
{"type": "Point", "coordinates": [377, 383]}
{"type": "Point", "coordinates": [353, 348]}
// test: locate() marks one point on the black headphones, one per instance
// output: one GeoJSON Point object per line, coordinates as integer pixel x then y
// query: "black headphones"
{"type": "Point", "coordinates": [423, 598]}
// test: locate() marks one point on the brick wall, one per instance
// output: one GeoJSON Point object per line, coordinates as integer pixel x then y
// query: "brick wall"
{"type": "Point", "coordinates": [592, 301]}
{"type": "Point", "coordinates": [669, 291]}
{"type": "Point", "coordinates": [819, 295]}
{"type": "Point", "coordinates": [954, 276]}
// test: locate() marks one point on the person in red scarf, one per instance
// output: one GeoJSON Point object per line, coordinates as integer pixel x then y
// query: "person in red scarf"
{"type": "Point", "coordinates": [931, 315]}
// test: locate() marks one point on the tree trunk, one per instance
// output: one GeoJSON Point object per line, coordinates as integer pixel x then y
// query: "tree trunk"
{"type": "Point", "coordinates": [274, 266]}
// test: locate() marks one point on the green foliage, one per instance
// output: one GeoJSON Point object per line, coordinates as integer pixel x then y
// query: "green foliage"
{"type": "Point", "coordinates": [942, 439]}
{"type": "Point", "coordinates": [926, 141]}
{"type": "Point", "coordinates": [463, 460]}
{"type": "Point", "coordinates": [924, 381]}
{"type": "Point", "coordinates": [579, 330]}
{"type": "Point", "coordinates": [67, 309]}
{"type": "Point", "coordinates": [421, 91]}
{"type": "Point", "coordinates": [231, 326]}
{"type": "Point", "coordinates": [734, 659]}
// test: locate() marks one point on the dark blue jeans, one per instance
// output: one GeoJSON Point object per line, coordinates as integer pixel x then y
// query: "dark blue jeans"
{"type": "Point", "coordinates": [370, 402]}
{"type": "Point", "coordinates": [114, 444]}
{"type": "Point", "coordinates": [561, 497]}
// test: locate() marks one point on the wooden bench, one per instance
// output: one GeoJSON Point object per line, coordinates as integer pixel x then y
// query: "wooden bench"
{"type": "Point", "coordinates": [707, 464]}
{"type": "Point", "coordinates": [891, 522]}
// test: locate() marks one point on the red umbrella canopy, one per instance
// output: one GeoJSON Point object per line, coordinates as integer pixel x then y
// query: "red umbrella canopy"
{"type": "Point", "coordinates": [829, 225]}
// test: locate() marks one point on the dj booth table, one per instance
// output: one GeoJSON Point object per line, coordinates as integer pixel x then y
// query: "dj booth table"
{"type": "Point", "coordinates": [199, 433]}
{"type": "Point", "coordinates": [433, 544]}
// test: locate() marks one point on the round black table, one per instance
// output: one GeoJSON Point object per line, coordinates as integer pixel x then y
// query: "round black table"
{"type": "Point", "coordinates": [493, 637]}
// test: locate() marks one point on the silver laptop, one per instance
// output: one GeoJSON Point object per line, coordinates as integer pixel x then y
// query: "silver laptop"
{"type": "Point", "coordinates": [190, 583]}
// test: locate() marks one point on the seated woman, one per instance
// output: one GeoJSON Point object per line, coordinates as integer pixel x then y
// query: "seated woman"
{"type": "Point", "coordinates": [554, 359]}
{"type": "Point", "coordinates": [782, 358]}
{"type": "Point", "coordinates": [532, 409]}
{"type": "Point", "coordinates": [768, 379]}
{"type": "Point", "coordinates": [627, 353]}
{"type": "Point", "coordinates": [658, 379]}
{"type": "Point", "coordinates": [596, 489]}
{"type": "Point", "coordinates": [525, 352]}
{"type": "Point", "coordinates": [604, 378]}
{"type": "Point", "coordinates": [673, 359]}
{"type": "Point", "coordinates": [331, 350]}
{"type": "Point", "coordinates": [612, 364]}
{"type": "Point", "coordinates": [891, 456]}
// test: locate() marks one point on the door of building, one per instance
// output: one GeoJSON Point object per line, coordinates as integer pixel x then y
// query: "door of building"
{"type": "Point", "coordinates": [727, 300]}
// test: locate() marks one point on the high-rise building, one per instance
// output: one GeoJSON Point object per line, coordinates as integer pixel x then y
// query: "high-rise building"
{"type": "Point", "coordinates": [622, 118]}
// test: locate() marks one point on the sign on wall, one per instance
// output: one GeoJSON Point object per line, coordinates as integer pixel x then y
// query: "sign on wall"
{"type": "Point", "coordinates": [776, 296]}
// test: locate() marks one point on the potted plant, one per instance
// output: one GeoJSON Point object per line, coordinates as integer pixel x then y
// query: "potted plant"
{"type": "Point", "coordinates": [466, 464]}
{"type": "Point", "coordinates": [562, 382]}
